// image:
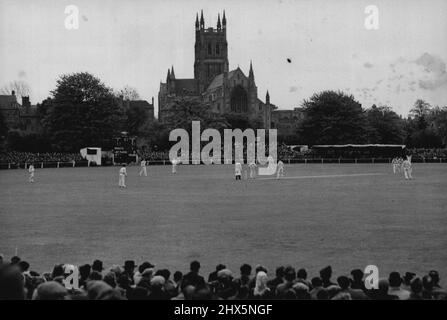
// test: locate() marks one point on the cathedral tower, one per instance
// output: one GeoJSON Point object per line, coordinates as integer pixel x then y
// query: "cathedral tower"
{"type": "Point", "coordinates": [211, 51]}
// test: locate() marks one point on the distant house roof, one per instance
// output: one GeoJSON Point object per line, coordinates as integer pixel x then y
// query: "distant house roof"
{"type": "Point", "coordinates": [140, 103]}
{"type": "Point", "coordinates": [7, 101]}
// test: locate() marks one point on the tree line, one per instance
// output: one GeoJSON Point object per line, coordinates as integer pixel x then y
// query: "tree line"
{"type": "Point", "coordinates": [82, 111]}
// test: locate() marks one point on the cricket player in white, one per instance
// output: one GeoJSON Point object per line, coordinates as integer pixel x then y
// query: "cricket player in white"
{"type": "Point", "coordinates": [280, 170]}
{"type": "Point", "coordinates": [143, 170]}
{"type": "Point", "coordinates": [394, 163]}
{"type": "Point", "coordinates": [252, 166]}
{"type": "Point", "coordinates": [123, 175]}
{"type": "Point", "coordinates": [175, 162]}
{"type": "Point", "coordinates": [238, 170]}
{"type": "Point", "coordinates": [31, 173]}
{"type": "Point", "coordinates": [407, 168]}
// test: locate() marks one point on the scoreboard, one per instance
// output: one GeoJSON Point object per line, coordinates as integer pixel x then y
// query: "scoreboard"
{"type": "Point", "coordinates": [124, 149]}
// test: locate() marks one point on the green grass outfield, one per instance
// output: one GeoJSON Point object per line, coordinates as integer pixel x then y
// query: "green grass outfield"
{"type": "Point", "coordinates": [345, 215]}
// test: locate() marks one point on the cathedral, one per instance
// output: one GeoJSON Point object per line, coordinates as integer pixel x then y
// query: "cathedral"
{"type": "Point", "coordinates": [224, 91]}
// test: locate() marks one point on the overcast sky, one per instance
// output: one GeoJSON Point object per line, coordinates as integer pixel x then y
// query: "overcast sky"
{"type": "Point", "coordinates": [134, 42]}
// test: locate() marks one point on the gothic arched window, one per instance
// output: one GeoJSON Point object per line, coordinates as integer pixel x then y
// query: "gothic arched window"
{"type": "Point", "coordinates": [217, 49]}
{"type": "Point", "coordinates": [239, 100]}
{"type": "Point", "coordinates": [210, 49]}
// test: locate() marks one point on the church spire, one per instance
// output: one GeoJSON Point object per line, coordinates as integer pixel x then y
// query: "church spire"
{"type": "Point", "coordinates": [172, 72]}
{"type": "Point", "coordinates": [224, 20]}
{"type": "Point", "coordinates": [251, 74]}
{"type": "Point", "coordinates": [168, 76]}
{"type": "Point", "coordinates": [218, 22]}
{"type": "Point", "coordinates": [197, 21]}
{"type": "Point", "coordinates": [202, 21]}
{"type": "Point", "coordinates": [267, 98]}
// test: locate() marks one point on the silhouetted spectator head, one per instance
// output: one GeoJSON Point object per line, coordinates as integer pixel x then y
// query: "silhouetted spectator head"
{"type": "Point", "coordinates": [435, 277]}
{"type": "Point", "coordinates": [203, 292]}
{"type": "Point", "coordinates": [195, 266]}
{"type": "Point", "coordinates": [220, 267]}
{"type": "Point", "coordinates": [188, 292]}
{"type": "Point", "coordinates": [326, 273]}
{"type": "Point", "coordinates": [84, 271]}
{"type": "Point", "coordinates": [245, 269]}
{"type": "Point", "coordinates": [58, 271]}
{"type": "Point", "coordinates": [301, 291]}
{"type": "Point", "coordinates": [289, 274]}
{"type": "Point", "coordinates": [178, 276]}
{"type": "Point", "coordinates": [383, 286]}
{"type": "Point", "coordinates": [394, 279]}
{"type": "Point", "coordinates": [110, 279]}
{"type": "Point", "coordinates": [427, 283]}
{"type": "Point", "coordinates": [157, 282]}
{"type": "Point", "coordinates": [408, 277]}
{"type": "Point", "coordinates": [145, 265]}
{"type": "Point", "coordinates": [12, 283]}
{"type": "Point", "coordinates": [343, 282]}
{"type": "Point", "coordinates": [51, 290]}
{"type": "Point", "coordinates": [260, 268]}
{"type": "Point", "coordinates": [95, 275]}
{"type": "Point", "coordinates": [357, 275]}
{"type": "Point", "coordinates": [124, 281]}
{"type": "Point", "coordinates": [15, 260]}
{"type": "Point", "coordinates": [317, 282]}
{"type": "Point", "coordinates": [279, 272]}
{"type": "Point", "coordinates": [302, 273]}
{"type": "Point", "coordinates": [129, 266]}
{"type": "Point", "coordinates": [165, 273]}
{"type": "Point", "coordinates": [97, 266]}
{"type": "Point", "coordinates": [1, 259]}
{"type": "Point", "coordinates": [24, 266]}
{"type": "Point", "coordinates": [416, 285]}
{"type": "Point", "coordinates": [99, 290]}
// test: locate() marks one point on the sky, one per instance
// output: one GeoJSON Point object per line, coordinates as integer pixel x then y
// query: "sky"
{"type": "Point", "coordinates": [298, 47]}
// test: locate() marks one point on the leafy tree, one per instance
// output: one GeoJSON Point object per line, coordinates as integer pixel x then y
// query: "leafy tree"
{"type": "Point", "coordinates": [128, 93]}
{"type": "Point", "coordinates": [384, 125]}
{"type": "Point", "coordinates": [136, 116]}
{"type": "Point", "coordinates": [82, 112]}
{"type": "Point", "coordinates": [21, 88]}
{"type": "Point", "coordinates": [421, 130]}
{"type": "Point", "coordinates": [438, 119]}
{"type": "Point", "coordinates": [332, 118]}
{"type": "Point", "coordinates": [184, 110]}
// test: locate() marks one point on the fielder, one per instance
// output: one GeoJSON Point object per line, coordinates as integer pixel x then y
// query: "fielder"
{"type": "Point", "coordinates": [238, 170]}
{"type": "Point", "coordinates": [280, 170]}
{"type": "Point", "coordinates": [143, 170]}
{"type": "Point", "coordinates": [395, 164]}
{"type": "Point", "coordinates": [174, 165]}
{"type": "Point", "coordinates": [252, 166]}
{"type": "Point", "coordinates": [407, 168]}
{"type": "Point", "coordinates": [31, 173]}
{"type": "Point", "coordinates": [122, 177]}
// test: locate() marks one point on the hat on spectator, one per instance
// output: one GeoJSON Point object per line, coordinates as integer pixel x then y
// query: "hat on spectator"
{"type": "Point", "coordinates": [224, 273]}
{"type": "Point", "coordinates": [326, 272]}
{"type": "Point", "coordinates": [97, 265]}
{"type": "Point", "coordinates": [129, 264]}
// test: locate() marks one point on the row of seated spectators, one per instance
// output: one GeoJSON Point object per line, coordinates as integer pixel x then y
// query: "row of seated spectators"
{"type": "Point", "coordinates": [16, 157]}
{"type": "Point", "coordinates": [145, 282]}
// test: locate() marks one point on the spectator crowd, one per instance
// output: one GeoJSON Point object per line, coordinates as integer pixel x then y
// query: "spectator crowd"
{"type": "Point", "coordinates": [16, 157]}
{"type": "Point", "coordinates": [146, 282]}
